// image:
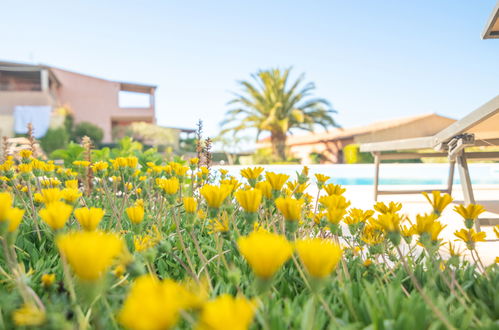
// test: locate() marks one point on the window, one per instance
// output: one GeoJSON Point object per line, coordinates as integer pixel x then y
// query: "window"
{"type": "Point", "coordinates": [20, 81]}
{"type": "Point", "coordinates": [134, 100]}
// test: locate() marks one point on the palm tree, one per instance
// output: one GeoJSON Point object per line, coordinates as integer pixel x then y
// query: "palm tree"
{"type": "Point", "coordinates": [272, 103]}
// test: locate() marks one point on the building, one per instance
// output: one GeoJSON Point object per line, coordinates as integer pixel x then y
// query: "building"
{"type": "Point", "coordinates": [90, 99]}
{"type": "Point", "coordinates": [329, 145]}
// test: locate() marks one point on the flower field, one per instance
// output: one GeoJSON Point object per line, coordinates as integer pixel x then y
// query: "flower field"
{"type": "Point", "coordinates": [138, 242]}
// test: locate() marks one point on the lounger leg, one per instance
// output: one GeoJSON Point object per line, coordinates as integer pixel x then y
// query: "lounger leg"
{"type": "Point", "coordinates": [464, 175]}
{"type": "Point", "coordinates": [376, 175]}
{"type": "Point", "coordinates": [450, 180]}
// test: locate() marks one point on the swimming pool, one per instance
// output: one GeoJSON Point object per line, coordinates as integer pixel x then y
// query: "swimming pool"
{"type": "Point", "coordinates": [390, 174]}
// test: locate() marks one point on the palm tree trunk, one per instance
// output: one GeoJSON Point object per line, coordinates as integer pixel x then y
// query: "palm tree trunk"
{"type": "Point", "coordinates": [278, 140]}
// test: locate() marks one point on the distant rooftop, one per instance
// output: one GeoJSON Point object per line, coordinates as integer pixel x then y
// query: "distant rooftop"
{"type": "Point", "coordinates": [126, 86]}
{"type": "Point", "coordinates": [346, 133]}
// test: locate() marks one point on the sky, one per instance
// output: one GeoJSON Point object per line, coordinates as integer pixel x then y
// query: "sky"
{"type": "Point", "coordinates": [373, 60]}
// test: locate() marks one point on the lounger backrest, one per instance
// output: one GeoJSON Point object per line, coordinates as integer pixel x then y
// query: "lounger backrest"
{"type": "Point", "coordinates": [483, 122]}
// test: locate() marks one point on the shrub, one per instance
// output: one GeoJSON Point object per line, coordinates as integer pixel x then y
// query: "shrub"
{"type": "Point", "coordinates": [55, 138]}
{"type": "Point", "coordinates": [352, 155]}
{"type": "Point", "coordinates": [92, 131]}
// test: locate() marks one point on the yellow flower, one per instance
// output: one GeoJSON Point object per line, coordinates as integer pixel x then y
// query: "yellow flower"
{"type": "Point", "coordinates": [276, 180]}
{"type": "Point", "coordinates": [119, 270]}
{"type": "Point", "coordinates": [372, 234]}
{"type": "Point", "coordinates": [47, 280]}
{"type": "Point", "coordinates": [152, 304]}
{"type": "Point", "coordinates": [390, 222]}
{"type": "Point", "coordinates": [334, 189]}
{"type": "Point", "coordinates": [435, 230]}
{"type": "Point", "coordinates": [5, 205]}
{"type": "Point", "coordinates": [223, 171]}
{"type": "Point", "coordinates": [169, 186]}
{"type": "Point", "coordinates": [321, 179]}
{"type": "Point", "coordinates": [334, 202]}
{"type": "Point", "coordinates": [424, 223]}
{"type": "Point", "coordinates": [201, 214]}
{"type": "Point", "coordinates": [249, 200]}
{"type": "Point", "coordinates": [82, 163]}
{"type": "Point", "coordinates": [289, 207]}
{"type": "Point", "coordinates": [356, 216]}
{"type": "Point", "coordinates": [179, 169]}
{"type": "Point", "coordinates": [265, 188]}
{"type": "Point", "coordinates": [204, 170]}
{"type": "Point", "coordinates": [50, 182]}
{"type": "Point", "coordinates": [89, 218]}
{"type": "Point", "coordinates": [50, 195]}
{"type": "Point", "coordinates": [70, 195]}
{"type": "Point", "coordinates": [25, 153]}
{"type": "Point", "coordinates": [122, 162]}
{"type": "Point", "coordinates": [8, 164]}
{"type": "Point", "coordinates": [215, 195]}
{"type": "Point", "coordinates": [334, 216]}
{"type": "Point", "coordinates": [305, 170]}
{"type": "Point", "coordinates": [453, 251]}
{"type": "Point", "coordinates": [336, 206]}
{"type": "Point", "coordinates": [470, 237]}
{"type": "Point", "coordinates": [143, 242]}
{"type": "Point", "coordinates": [190, 204]}
{"type": "Point", "coordinates": [194, 161]}
{"type": "Point", "coordinates": [73, 184]}
{"type": "Point", "coordinates": [115, 178]}
{"type": "Point", "coordinates": [319, 256]}
{"type": "Point", "coordinates": [4, 178]}
{"type": "Point", "coordinates": [496, 231]}
{"type": "Point", "coordinates": [132, 162]}
{"type": "Point", "coordinates": [15, 217]}
{"type": "Point", "coordinates": [219, 225]}
{"type": "Point", "coordinates": [390, 208]}
{"type": "Point", "coordinates": [135, 213]}
{"type": "Point", "coordinates": [367, 262]}
{"type": "Point", "coordinates": [469, 212]}
{"type": "Point", "coordinates": [226, 312]}
{"type": "Point", "coordinates": [90, 253]}
{"type": "Point", "coordinates": [407, 231]}
{"type": "Point", "coordinates": [23, 188]}
{"type": "Point", "coordinates": [148, 240]}
{"type": "Point", "coordinates": [251, 173]}
{"type": "Point", "coordinates": [317, 217]}
{"type": "Point", "coordinates": [25, 168]}
{"type": "Point", "coordinates": [28, 315]}
{"type": "Point", "coordinates": [100, 166]}
{"type": "Point", "coordinates": [265, 252]}
{"type": "Point", "coordinates": [56, 214]}
{"type": "Point", "coordinates": [296, 187]}
{"type": "Point", "coordinates": [439, 201]}
{"type": "Point", "coordinates": [233, 183]}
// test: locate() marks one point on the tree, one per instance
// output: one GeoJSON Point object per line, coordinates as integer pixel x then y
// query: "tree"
{"type": "Point", "coordinates": [272, 103]}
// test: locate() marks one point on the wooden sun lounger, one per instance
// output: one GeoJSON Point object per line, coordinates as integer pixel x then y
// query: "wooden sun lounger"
{"type": "Point", "coordinates": [479, 128]}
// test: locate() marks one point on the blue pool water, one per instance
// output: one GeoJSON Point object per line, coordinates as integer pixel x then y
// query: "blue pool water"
{"type": "Point", "coordinates": [390, 174]}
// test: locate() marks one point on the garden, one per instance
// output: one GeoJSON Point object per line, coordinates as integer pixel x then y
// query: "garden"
{"type": "Point", "coordinates": [132, 239]}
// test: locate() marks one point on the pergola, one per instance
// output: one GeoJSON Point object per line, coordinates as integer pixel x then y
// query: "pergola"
{"type": "Point", "coordinates": [491, 30]}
